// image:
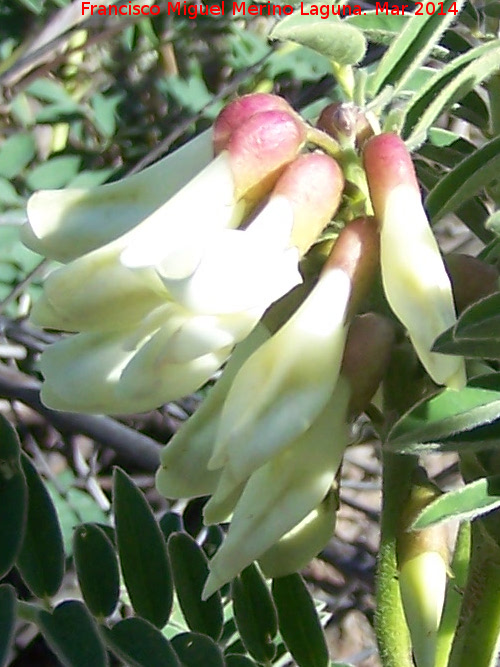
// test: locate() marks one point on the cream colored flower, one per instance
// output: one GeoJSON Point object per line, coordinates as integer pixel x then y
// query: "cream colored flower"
{"type": "Point", "coordinates": [415, 280]}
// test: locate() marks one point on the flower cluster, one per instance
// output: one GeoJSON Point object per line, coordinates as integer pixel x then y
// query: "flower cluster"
{"type": "Point", "coordinates": [166, 272]}
{"type": "Point", "coordinates": [172, 272]}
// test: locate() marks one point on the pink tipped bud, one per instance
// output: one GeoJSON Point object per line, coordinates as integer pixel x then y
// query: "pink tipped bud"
{"type": "Point", "coordinates": [388, 164]}
{"type": "Point", "coordinates": [313, 184]}
{"type": "Point", "coordinates": [471, 278]}
{"type": "Point", "coordinates": [240, 110]}
{"type": "Point", "coordinates": [415, 281]}
{"type": "Point", "coordinates": [356, 253]}
{"type": "Point", "coordinates": [260, 149]}
{"type": "Point", "coordinates": [342, 120]}
{"type": "Point", "coordinates": [366, 358]}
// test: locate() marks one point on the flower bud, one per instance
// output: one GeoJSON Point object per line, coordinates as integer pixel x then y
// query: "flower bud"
{"type": "Point", "coordinates": [415, 281]}
{"type": "Point", "coordinates": [422, 563]}
{"type": "Point", "coordinates": [366, 358]}
{"type": "Point", "coordinates": [260, 149]}
{"type": "Point", "coordinates": [240, 110]}
{"type": "Point", "coordinates": [313, 184]}
{"type": "Point", "coordinates": [345, 122]}
{"type": "Point", "coordinates": [471, 278]}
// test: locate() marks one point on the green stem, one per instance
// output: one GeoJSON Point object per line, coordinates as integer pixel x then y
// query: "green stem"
{"type": "Point", "coordinates": [454, 593]}
{"type": "Point", "coordinates": [477, 637]}
{"type": "Point", "coordinates": [324, 141]}
{"type": "Point", "coordinates": [392, 632]}
{"type": "Point", "coordinates": [27, 611]}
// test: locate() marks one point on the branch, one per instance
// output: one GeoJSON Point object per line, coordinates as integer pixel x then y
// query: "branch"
{"type": "Point", "coordinates": [138, 449]}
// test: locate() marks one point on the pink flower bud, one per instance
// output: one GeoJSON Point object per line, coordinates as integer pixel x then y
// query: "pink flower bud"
{"type": "Point", "coordinates": [240, 110]}
{"type": "Point", "coordinates": [313, 184]}
{"type": "Point", "coordinates": [343, 120]}
{"type": "Point", "coordinates": [356, 253]}
{"type": "Point", "coordinates": [260, 149]}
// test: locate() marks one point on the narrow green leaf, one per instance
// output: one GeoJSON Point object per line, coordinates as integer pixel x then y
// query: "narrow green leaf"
{"type": "Point", "coordinates": [97, 569]}
{"type": "Point", "coordinates": [72, 634]}
{"type": "Point", "coordinates": [466, 503]}
{"type": "Point", "coordinates": [190, 570]}
{"type": "Point", "coordinates": [41, 559]}
{"type": "Point", "coordinates": [299, 623]}
{"type": "Point", "coordinates": [332, 38]}
{"type": "Point", "coordinates": [482, 349]}
{"type": "Point", "coordinates": [139, 644]}
{"type": "Point", "coordinates": [481, 320]}
{"type": "Point", "coordinates": [437, 83]}
{"type": "Point", "coordinates": [471, 175]}
{"type": "Point", "coordinates": [13, 497]}
{"type": "Point", "coordinates": [195, 650]}
{"type": "Point", "coordinates": [448, 413]}
{"type": "Point", "coordinates": [255, 614]}
{"type": "Point", "coordinates": [412, 46]}
{"type": "Point", "coordinates": [458, 86]}
{"type": "Point", "coordinates": [142, 552]}
{"type": "Point", "coordinates": [7, 621]}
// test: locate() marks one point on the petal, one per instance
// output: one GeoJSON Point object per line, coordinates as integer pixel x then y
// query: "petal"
{"type": "Point", "coordinates": [300, 545]}
{"type": "Point", "coordinates": [240, 270]}
{"type": "Point", "coordinates": [289, 380]}
{"type": "Point", "coordinates": [416, 283]}
{"type": "Point", "coordinates": [64, 224]}
{"type": "Point", "coordinates": [81, 374]}
{"type": "Point", "coordinates": [150, 379]}
{"type": "Point", "coordinates": [183, 472]}
{"type": "Point", "coordinates": [175, 235]}
{"type": "Point", "coordinates": [97, 293]}
{"type": "Point", "coordinates": [283, 492]}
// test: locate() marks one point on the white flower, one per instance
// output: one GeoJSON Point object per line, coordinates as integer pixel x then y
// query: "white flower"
{"type": "Point", "coordinates": [416, 284]}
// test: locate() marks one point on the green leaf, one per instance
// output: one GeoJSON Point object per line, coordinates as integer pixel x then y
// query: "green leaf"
{"type": "Point", "coordinates": [332, 38]}
{"type": "Point", "coordinates": [72, 634]}
{"type": "Point", "coordinates": [471, 175]}
{"type": "Point", "coordinates": [16, 153]}
{"type": "Point", "coordinates": [41, 559]}
{"type": "Point", "coordinates": [195, 650]}
{"type": "Point", "coordinates": [378, 27]}
{"type": "Point", "coordinates": [49, 90]}
{"type": "Point", "coordinates": [97, 569]}
{"type": "Point", "coordinates": [481, 320]}
{"type": "Point", "coordinates": [255, 614]}
{"type": "Point", "coordinates": [448, 413]}
{"type": "Point", "coordinates": [410, 49]}
{"type": "Point", "coordinates": [13, 497]}
{"type": "Point", "coordinates": [424, 98]}
{"type": "Point", "coordinates": [190, 570]}
{"type": "Point", "coordinates": [299, 623]}
{"type": "Point", "coordinates": [8, 194]}
{"type": "Point", "coordinates": [142, 552]}
{"type": "Point", "coordinates": [237, 660]}
{"type": "Point", "coordinates": [466, 503]}
{"type": "Point", "coordinates": [7, 621]}
{"type": "Point", "coordinates": [171, 522]}
{"type": "Point", "coordinates": [54, 173]}
{"type": "Point", "coordinates": [105, 113]}
{"type": "Point", "coordinates": [139, 644]}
